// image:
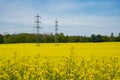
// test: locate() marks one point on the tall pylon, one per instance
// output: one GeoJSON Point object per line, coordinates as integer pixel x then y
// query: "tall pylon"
{"type": "Point", "coordinates": [37, 26]}
{"type": "Point", "coordinates": [56, 31]}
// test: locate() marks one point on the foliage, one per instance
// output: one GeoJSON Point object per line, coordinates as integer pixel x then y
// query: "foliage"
{"type": "Point", "coordinates": [50, 38]}
{"type": "Point", "coordinates": [1, 38]}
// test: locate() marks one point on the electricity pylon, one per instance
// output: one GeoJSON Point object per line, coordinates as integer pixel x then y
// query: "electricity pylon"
{"type": "Point", "coordinates": [56, 31]}
{"type": "Point", "coordinates": [37, 26]}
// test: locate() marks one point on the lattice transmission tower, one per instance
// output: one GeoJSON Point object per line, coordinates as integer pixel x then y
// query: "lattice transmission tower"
{"type": "Point", "coordinates": [37, 26]}
{"type": "Point", "coordinates": [56, 31]}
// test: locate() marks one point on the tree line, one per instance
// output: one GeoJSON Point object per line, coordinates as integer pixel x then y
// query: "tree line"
{"type": "Point", "coordinates": [50, 38]}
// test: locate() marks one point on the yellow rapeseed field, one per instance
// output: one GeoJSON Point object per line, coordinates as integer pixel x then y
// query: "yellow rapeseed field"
{"type": "Point", "coordinates": [63, 49]}
{"type": "Point", "coordinates": [66, 61]}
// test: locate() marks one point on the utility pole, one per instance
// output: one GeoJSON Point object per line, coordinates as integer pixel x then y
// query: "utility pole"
{"type": "Point", "coordinates": [37, 26]}
{"type": "Point", "coordinates": [56, 31]}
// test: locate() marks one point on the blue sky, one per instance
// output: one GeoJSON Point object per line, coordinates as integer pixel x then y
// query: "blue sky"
{"type": "Point", "coordinates": [75, 17]}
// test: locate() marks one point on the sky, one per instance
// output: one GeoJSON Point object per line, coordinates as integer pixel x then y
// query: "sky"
{"type": "Point", "coordinates": [75, 17]}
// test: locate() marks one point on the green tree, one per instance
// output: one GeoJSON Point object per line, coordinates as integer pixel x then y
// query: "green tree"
{"type": "Point", "coordinates": [112, 38]}
{"type": "Point", "coordinates": [118, 38]}
{"type": "Point", "coordinates": [105, 39]}
{"type": "Point", "coordinates": [96, 38]}
{"type": "Point", "coordinates": [119, 35]}
{"type": "Point", "coordinates": [1, 38]}
{"type": "Point", "coordinates": [61, 37]}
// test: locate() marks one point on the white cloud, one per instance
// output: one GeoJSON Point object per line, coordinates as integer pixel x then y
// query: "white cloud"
{"type": "Point", "coordinates": [19, 17]}
{"type": "Point", "coordinates": [81, 7]}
